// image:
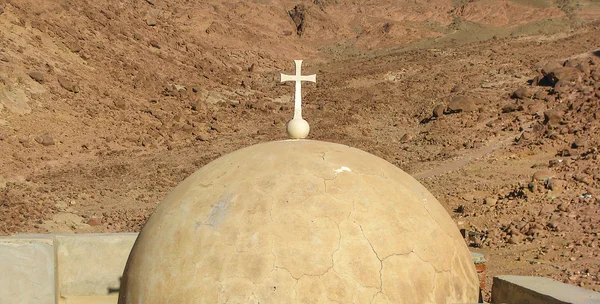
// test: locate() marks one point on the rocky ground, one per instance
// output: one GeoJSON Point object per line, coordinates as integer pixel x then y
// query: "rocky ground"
{"type": "Point", "coordinates": [493, 105]}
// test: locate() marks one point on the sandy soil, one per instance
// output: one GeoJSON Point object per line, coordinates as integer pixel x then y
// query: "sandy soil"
{"type": "Point", "coordinates": [493, 105]}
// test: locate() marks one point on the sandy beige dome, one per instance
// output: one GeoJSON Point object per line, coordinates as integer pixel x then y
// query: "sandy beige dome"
{"type": "Point", "coordinates": [299, 222]}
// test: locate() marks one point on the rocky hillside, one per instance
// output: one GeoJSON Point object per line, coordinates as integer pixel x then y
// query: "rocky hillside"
{"type": "Point", "coordinates": [106, 105]}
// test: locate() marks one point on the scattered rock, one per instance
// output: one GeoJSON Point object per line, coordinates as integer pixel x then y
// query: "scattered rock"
{"type": "Point", "coordinates": [552, 117]}
{"type": "Point", "coordinates": [550, 66]}
{"type": "Point", "coordinates": [45, 140]}
{"type": "Point", "coordinates": [298, 16]}
{"type": "Point", "coordinates": [541, 95]}
{"type": "Point", "coordinates": [94, 222]}
{"type": "Point", "coordinates": [120, 103]}
{"type": "Point", "coordinates": [462, 104]}
{"type": "Point", "coordinates": [459, 88]}
{"type": "Point", "coordinates": [151, 20]}
{"type": "Point", "coordinates": [491, 201]}
{"type": "Point", "coordinates": [584, 67]}
{"type": "Point", "coordinates": [406, 138]}
{"type": "Point", "coordinates": [521, 93]}
{"type": "Point", "coordinates": [582, 177]}
{"type": "Point", "coordinates": [564, 206]}
{"type": "Point", "coordinates": [68, 84]}
{"type": "Point", "coordinates": [74, 47]}
{"type": "Point", "coordinates": [203, 137]}
{"type": "Point", "coordinates": [515, 239]}
{"type": "Point", "coordinates": [566, 74]}
{"type": "Point", "coordinates": [557, 185]}
{"type": "Point", "coordinates": [37, 76]}
{"type": "Point", "coordinates": [578, 143]}
{"type": "Point", "coordinates": [154, 43]}
{"type": "Point", "coordinates": [543, 175]}
{"type": "Point", "coordinates": [439, 110]}
{"type": "Point", "coordinates": [526, 136]}
{"type": "Point", "coordinates": [511, 107]}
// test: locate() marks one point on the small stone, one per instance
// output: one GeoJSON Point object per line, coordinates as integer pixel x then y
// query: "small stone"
{"type": "Point", "coordinates": [547, 209]}
{"type": "Point", "coordinates": [543, 175]}
{"type": "Point", "coordinates": [557, 185]}
{"type": "Point", "coordinates": [564, 206]}
{"type": "Point", "coordinates": [155, 44]}
{"type": "Point", "coordinates": [37, 76]}
{"type": "Point", "coordinates": [490, 201]}
{"type": "Point", "coordinates": [550, 66]}
{"type": "Point", "coordinates": [439, 110]}
{"type": "Point", "coordinates": [511, 107]}
{"type": "Point", "coordinates": [68, 84]}
{"type": "Point", "coordinates": [459, 88]}
{"type": "Point", "coordinates": [584, 67]}
{"type": "Point", "coordinates": [579, 143]}
{"type": "Point", "coordinates": [532, 187]}
{"type": "Point", "coordinates": [566, 74]}
{"type": "Point", "coordinates": [74, 47]}
{"type": "Point", "coordinates": [552, 117]}
{"type": "Point", "coordinates": [515, 239]}
{"type": "Point", "coordinates": [406, 138]}
{"type": "Point", "coordinates": [151, 20]}
{"type": "Point", "coordinates": [94, 222]}
{"type": "Point", "coordinates": [120, 103]}
{"type": "Point", "coordinates": [521, 93]}
{"type": "Point", "coordinates": [541, 95]}
{"type": "Point", "coordinates": [462, 104]}
{"type": "Point", "coordinates": [582, 178]}
{"type": "Point", "coordinates": [203, 137]}
{"type": "Point", "coordinates": [45, 140]}
{"type": "Point", "coordinates": [526, 136]}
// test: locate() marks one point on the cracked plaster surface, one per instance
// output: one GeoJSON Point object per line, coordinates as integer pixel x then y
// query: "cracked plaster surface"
{"type": "Point", "coordinates": [281, 223]}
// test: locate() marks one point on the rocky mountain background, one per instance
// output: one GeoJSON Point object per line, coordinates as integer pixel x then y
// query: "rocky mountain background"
{"type": "Point", "coordinates": [494, 105]}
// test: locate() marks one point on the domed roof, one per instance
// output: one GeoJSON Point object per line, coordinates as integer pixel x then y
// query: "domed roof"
{"type": "Point", "coordinates": [299, 221]}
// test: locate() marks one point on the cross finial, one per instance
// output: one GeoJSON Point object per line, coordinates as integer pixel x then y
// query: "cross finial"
{"type": "Point", "coordinates": [298, 127]}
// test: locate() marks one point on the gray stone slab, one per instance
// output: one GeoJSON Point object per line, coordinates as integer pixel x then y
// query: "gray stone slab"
{"type": "Point", "coordinates": [537, 290]}
{"type": "Point", "coordinates": [91, 264]}
{"type": "Point", "coordinates": [27, 270]}
{"type": "Point", "coordinates": [478, 257]}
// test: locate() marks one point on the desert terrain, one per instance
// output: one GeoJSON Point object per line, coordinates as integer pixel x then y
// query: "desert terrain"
{"type": "Point", "coordinates": [493, 105]}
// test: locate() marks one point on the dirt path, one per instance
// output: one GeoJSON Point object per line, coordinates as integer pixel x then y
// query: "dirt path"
{"type": "Point", "coordinates": [464, 160]}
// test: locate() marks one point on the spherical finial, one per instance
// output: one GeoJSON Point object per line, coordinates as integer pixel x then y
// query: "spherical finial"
{"type": "Point", "coordinates": [298, 128]}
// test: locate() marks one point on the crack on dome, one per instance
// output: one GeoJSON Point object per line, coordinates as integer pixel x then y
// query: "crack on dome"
{"type": "Point", "coordinates": [375, 296]}
{"type": "Point", "coordinates": [272, 203]}
{"type": "Point", "coordinates": [376, 255]}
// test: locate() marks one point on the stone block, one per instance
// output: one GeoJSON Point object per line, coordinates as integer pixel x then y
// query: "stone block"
{"type": "Point", "coordinates": [112, 299]}
{"type": "Point", "coordinates": [538, 290]}
{"type": "Point", "coordinates": [27, 270]}
{"type": "Point", "coordinates": [91, 265]}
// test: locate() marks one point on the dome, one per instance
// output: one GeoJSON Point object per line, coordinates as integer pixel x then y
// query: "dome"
{"type": "Point", "coordinates": [299, 221]}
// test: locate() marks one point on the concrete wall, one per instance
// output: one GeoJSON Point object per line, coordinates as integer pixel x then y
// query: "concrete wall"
{"type": "Point", "coordinates": [86, 268]}
{"type": "Point", "coordinates": [537, 290]}
{"type": "Point", "coordinates": [64, 269]}
{"type": "Point", "coordinates": [27, 270]}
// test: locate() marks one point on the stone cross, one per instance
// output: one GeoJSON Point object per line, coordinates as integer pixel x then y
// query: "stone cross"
{"type": "Point", "coordinates": [298, 128]}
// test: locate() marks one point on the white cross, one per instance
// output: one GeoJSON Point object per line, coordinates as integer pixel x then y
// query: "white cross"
{"type": "Point", "coordinates": [298, 78]}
